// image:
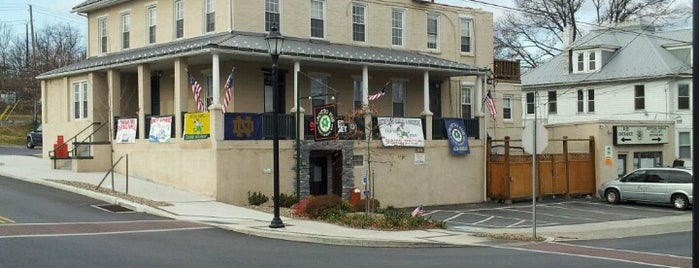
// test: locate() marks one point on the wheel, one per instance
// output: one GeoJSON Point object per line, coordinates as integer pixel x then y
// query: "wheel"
{"type": "Point", "coordinates": [612, 196]}
{"type": "Point", "coordinates": [30, 144]}
{"type": "Point", "coordinates": [679, 201]}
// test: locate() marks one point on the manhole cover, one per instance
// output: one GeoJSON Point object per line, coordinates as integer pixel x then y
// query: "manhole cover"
{"type": "Point", "coordinates": [113, 208]}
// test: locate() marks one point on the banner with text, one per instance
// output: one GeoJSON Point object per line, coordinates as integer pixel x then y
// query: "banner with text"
{"type": "Point", "coordinates": [126, 130]}
{"type": "Point", "coordinates": [196, 126]}
{"type": "Point", "coordinates": [160, 129]}
{"type": "Point", "coordinates": [242, 126]}
{"type": "Point", "coordinates": [397, 131]}
{"type": "Point", "coordinates": [458, 140]}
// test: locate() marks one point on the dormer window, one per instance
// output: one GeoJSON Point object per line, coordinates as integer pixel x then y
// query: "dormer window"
{"type": "Point", "coordinates": [586, 61]}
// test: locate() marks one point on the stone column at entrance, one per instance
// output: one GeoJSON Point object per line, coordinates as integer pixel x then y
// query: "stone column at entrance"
{"type": "Point", "coordinates": [426, 104]}
{"type": "Point", "coordinates": [143, 98]}
{"type": "Point", "coordinates": [181, 86]}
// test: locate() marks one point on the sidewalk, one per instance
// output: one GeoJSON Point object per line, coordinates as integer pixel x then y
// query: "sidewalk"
{"type": "Point", "coordinates": [189, 206]}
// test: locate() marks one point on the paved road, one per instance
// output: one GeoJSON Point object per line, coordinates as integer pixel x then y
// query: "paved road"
{"type": "Point", "coordinates": [548, 213]}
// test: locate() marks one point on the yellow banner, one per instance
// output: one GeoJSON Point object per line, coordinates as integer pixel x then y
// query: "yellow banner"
{"type": "Point", "coordinates": [196, 126]}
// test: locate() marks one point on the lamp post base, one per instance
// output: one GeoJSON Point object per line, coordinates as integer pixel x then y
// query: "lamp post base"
{"type": "Point", "coordinates": [276, 223]}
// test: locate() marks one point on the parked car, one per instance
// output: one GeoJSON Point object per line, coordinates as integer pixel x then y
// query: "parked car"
{"type": "Point", "coordinates": [653, 185]}
{"type": "Point", "coordinates": [34, 138]}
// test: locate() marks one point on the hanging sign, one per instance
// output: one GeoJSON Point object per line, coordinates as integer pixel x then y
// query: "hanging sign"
{"type": "Point", "coordinates": [160, 129]}
{"type": "Point", "coordinates": [196, 126]}
{"type": "Point", "coordinates": [398, 131]}
{"type": "Point", "coordinates": [242, 126]}
{"type": "Point", "coordinates": [324, 117]}
{"type": "Point", "coordinates": [126, 130]}
{"type": "Point", "coordinates": [456, 132]}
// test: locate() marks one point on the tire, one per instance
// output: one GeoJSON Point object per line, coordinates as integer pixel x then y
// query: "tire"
{"type": "Point", "coordinates": [612, 196]}
{"type": "Point", "coordinates": [680, 202]}
{"type": "Point", "coordinates": [30, 144]}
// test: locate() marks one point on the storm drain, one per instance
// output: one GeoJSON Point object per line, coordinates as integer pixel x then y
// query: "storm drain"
{"type": "Point", "coordinates": [113, 208]}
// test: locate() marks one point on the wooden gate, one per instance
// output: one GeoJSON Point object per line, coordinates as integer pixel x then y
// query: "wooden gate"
{"type": "Point", "coordinates": [564, 173]}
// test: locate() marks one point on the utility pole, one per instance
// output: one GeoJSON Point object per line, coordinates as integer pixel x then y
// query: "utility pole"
{"type": "Point", "coordinates": [31, 22]}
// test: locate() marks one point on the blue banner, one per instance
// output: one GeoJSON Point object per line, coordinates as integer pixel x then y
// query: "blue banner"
{"type": "Point", "coordinates": [242, 126]}
{"type": "Point", "coordinates": [458, 140]}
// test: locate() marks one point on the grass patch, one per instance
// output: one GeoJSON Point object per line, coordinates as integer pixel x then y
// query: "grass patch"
{"type": "Point", "coordinates": [15, 134]}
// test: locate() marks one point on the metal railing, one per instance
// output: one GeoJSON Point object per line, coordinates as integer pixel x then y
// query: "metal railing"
{"type": "Point", "coordinates": [73, 151]}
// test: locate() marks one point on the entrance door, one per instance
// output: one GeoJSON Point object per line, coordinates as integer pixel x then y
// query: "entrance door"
{"type": "Point", "coordinates": [155, 95]}
{"type": "Point", "coordinates": [318, 166]}
{"type": "Point", "coordinates": [436, 98]}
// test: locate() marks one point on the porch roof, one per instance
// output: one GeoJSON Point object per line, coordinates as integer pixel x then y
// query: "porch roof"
{"type": "Point", "coordinates": [254, 44]}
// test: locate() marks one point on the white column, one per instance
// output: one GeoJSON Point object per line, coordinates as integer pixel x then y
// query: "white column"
{"type": "Point", "coordinates": [297, 69]}
{"type": "Point", "coordinates": [216, 77]}
{"type": "Point", "coordinates": [426, 93]}
{"type": "Point", "coordinates": [479, 95]}
{"type": "Point", "coordinates": [365, 85]}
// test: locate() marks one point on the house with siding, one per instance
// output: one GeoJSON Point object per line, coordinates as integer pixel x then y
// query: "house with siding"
{"type": "Point", "coordinates": [150, 62]}
{"type": "Point", "coordinates": [628, 87]}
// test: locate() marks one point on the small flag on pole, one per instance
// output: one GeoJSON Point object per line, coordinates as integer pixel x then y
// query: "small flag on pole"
{"type": "Point", "coordinates": [227, 96]}
{"type": "Point", "coordinates": [196, 90]}
{"type": "Point", "coordinates": [417, 211]}
{"type": "Point", "coordinates": [490, 105]}
{"type": "Point", "coordinates": [381, 92]}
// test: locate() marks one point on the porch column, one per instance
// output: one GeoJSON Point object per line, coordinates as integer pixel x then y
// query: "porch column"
{"type": "Point", "coordinates": [143, 98]}
{"type": "Point", "coordinates": [43, 102]}
{"type": "Point", "coordinates": [365, 102]}
{"type": "Point", "coordinates": [181, 87]}
{"type": "Point", "coordinates": [479, 95]}
{"type": "Point", "coordinates": [114, 84]}
{"type": "Point", "coordinates": [426, 105]}
{"type": "Point", "coordinates": [215, 110]}
{"type": "Point", "coordinates": [297, 102]}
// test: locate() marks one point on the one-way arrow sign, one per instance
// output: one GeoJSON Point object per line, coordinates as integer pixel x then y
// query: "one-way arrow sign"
{"type": "Point", "coordinates": [624, 135]}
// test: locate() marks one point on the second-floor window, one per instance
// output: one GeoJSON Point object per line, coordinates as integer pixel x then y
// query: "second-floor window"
{"type": "Point", "coordinates": [397, 27]}
{"type": "Point", "coordinates": [210, 19]}
{"type": "Point", "coordinates": [125, 31]}
{"type": "Point", "coordinates": [102, 28]}
{"type": "Point", "coordinates": [358, 23]}
{"type": "Point", "coordinates": [151, 19]}
{"type": "Point", "coordinates": [581, 101]}
{"type": "Point", "coordinates": [272, 15]}
{"type": "Point", "coordinates": [179, 18]}
{"type": "Point", "coordinates": [581, 62]}
{"type": "Point", "coordinates": [590, 100]}
{"type": "Point", "coordinates": [530, 103]}
{"type": "Point", "coordinates": [80, 100]}
{"type": "Point", "coordinates": [639, 97]}
{"type": "Point", "coordinates": [592, 62]}
{"type": "Point", "coordinates": [553, 108]}
{"type": "Point", "coordinates": [398, 98]}
{"type": "Point", "coordinates": [466, 31]}
{"type": "Point", "coordinates": [683, 97]}
{"type": "Point", "coordinates": [317, 18]}
{"type": "Point", "coordinates": [432, 31]}
{"type": "Point", "coordinates": [507, 106]}
{"type": "Point", "coordinates": [466, 103]}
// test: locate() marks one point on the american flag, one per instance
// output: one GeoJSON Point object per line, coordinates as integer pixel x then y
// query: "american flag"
{"type": "Point", "coordinates": [227, 96]}
{"type": "Point", "coordinates": [196, 90]}
{"type": "Point", "coordinates": [381, 92]}
{"type": "Point", "coordinates": [490, 104]}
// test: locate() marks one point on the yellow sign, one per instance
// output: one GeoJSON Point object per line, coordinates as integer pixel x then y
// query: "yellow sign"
{"type": "Point", "coordinates": [196, 126]}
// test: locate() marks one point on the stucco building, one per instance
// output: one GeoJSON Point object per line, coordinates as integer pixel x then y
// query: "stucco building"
{"type": "Point", "coordinates": [144, 55]}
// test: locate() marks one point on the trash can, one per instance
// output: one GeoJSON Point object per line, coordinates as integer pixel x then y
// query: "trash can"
{"type": "Point", "coordinates": [355, 197]}
{"type": "Point", "coordinates": [60, 150]}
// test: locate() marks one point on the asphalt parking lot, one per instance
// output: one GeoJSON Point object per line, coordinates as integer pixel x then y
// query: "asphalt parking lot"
{"type": "Point", "coordinates": [552, 212]}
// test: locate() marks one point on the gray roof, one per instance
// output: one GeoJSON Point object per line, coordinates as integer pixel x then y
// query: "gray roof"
{"type": "Point", "coordinates": [253, 43]}
{"type": "Point", "coordinates": [638, 55]}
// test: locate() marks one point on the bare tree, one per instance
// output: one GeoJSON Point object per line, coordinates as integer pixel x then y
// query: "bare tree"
{"type": "Point", "coordinates": [540, 28]}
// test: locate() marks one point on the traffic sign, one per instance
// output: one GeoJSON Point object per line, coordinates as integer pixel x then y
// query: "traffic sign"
{"type": "Point", "coordinates": [528, 136]}
{"type": "Point", "coordinates": [640, 135]}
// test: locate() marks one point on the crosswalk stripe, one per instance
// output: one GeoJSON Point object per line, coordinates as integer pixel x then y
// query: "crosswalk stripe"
{"type": "Point", "coordinates": [6, 220]}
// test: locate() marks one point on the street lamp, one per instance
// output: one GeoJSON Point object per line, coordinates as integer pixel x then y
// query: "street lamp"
{"type": "Point", "coordinates": [275, 42]}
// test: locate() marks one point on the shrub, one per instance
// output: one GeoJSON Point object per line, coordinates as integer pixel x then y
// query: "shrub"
{"type": "Point", "coordinates": [320, 203]}
{"type": "Point", "coordinates": [375, 204]}
{"type": "Point", "coordinates": [287, 200]}
{"type": "Point", "coordinates": [300, 207]}
{"type": "Point", "coordinates": [257, 198]}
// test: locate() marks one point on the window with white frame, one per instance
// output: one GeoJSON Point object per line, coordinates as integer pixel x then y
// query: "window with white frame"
{"type": "Point", "coordinates": [590, 100]}
{"type": "Point", "coordinates": [318, 18]}
{"type": "Point", "coordinates": [80, 100]}
{"type": "Point", "coordinates": [102, 29]}
{"type": "Point", "coordinates": [586, 61]}
{"type": "Point", "coordinates": [398, 98]}
{"type": "Point", "coordinates": [357, 84]}
{"type": "Point", "coordinates": [581, 62]}
{"type": "Point", "coordinates": [179, 18]}
{"type": "Point", "coordinates": [685, 145]}
{"type": "Point", "coordinates": [151, 20]}
{"type": "Point", "coordinates": [591, 61]}
{"type": "Point", "coordinates": [210, 13]}
{"type": "Point", "coordinates": [319, 90]}
{"type": "Point", "coordinates": [272, 15]}
{"type": "Point", "coordinates": [208, 89]}
{"type": "Point", "coordinates": [125, 30]}
{"type": "Point", "coordinates": [507, 106]}
{"type": "Point", "coordinates": [432, 31]}
{"type": "Point", "coordinates": [397, 26]}
{"type": "Point", "coordinates": [466, 101]}
{"type": "Point", "coordinates": [639, 97]}
{"type": "Point", "coordinates": [358, 22]}
{"type": "Point", "coordinates": [581, 101]}
{"type": "Point", "coordinates": [466, 33]}
{"type": "Point", "coordinates": [552, 102]}
{"type": "Point", "coordinates": [683, 97]}
{"type": "Point", "coordinates": [586, 104]}
{"type": "Point", "coordinates": [530, 102]}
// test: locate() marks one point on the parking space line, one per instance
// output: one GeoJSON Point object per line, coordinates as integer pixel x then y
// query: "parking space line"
{"type": "Point", "coordinates": [515, 224]}
{"type": "Point", "coordinates": [6, 220]}
{"type": "Point", "coordinates": [484, 220]}
{"type": "Point", "coordinates": [432, 212]}
{"type": "Point", "coordinates": [453, 217]}
{"type": "Point", "coordinates": [558, 216]}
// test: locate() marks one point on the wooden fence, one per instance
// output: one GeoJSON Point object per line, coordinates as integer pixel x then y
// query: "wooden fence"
{"type": "Point", "coordinates": [564, 173]}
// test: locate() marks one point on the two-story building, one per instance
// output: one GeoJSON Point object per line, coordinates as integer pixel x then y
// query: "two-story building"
{"type": "Point", "coordinates": [629, 87]}
{"type": "Point", "coordinates": [150, 61]}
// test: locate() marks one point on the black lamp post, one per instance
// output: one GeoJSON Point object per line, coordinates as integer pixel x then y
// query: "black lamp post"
{"type": "Point", "coordinates": [275, 42]}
